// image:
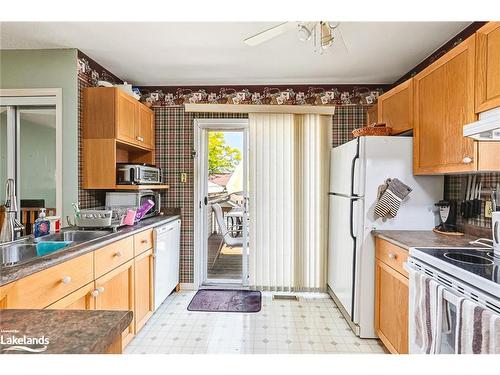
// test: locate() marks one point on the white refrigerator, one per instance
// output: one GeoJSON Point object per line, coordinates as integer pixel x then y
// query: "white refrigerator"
{"type": "Point", "coordinates": [357, 169]}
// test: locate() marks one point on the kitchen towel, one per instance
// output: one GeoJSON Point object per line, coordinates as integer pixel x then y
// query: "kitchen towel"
{"type": "Point", "coordinates": [426, 313]}
{"type": "Point", "coordinates": [390, 196]}
{"type": "Point", "coordinates": [477, 329]}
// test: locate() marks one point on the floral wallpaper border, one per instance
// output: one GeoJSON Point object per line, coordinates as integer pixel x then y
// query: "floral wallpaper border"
{"type": "Point", "coordinates": [274, 95]}
{"type": "Point", "coordinates": [92, 72]}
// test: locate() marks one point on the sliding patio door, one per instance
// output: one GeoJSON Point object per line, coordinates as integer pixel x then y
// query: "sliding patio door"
{"type": "Point", "coordinates": [222, 215]}
{"type": "Point", "coordinates": [289, 168]}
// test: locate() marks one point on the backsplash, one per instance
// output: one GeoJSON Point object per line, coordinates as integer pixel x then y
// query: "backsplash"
{"type": "Point", "coordinates": [455, 186]}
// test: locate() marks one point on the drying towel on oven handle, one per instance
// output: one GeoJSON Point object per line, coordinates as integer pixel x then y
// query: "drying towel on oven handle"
{"type": "Point", "coordinates": [477, 329]}
{"type": "Point", "coordinates": [426, 313]}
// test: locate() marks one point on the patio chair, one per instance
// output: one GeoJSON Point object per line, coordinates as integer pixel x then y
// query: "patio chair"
{"type": "Point", "coordinates": [227, 233]}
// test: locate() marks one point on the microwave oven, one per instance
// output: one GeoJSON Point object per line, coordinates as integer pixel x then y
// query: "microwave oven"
{"type": "Point", "coordinates": [125, 199]}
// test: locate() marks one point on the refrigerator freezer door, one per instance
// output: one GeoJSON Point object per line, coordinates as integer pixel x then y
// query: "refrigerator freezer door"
{"type": "Point", "coordinates": [344, 170]}
{"type": "Point", "coordinates": [341, 250]}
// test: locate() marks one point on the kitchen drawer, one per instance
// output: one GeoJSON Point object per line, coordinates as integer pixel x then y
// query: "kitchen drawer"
{"type": "Point", "coordinates": [113, 255]}
{"type": "Point", "coordinates": [392, 255]}
{"type": "Point", "coordinates": [45, 287]}
{"type": "Point", "coordinates": [143, 241]}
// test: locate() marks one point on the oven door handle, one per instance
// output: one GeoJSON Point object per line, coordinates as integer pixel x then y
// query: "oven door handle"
{"type": "Point", "coordinates": [448, 294]}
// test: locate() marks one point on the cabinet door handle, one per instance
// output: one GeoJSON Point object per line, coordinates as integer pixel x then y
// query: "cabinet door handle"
{"type": "Point", "coordinates": [144, 241]}
{"type": "Point", "coordinates": [140, 139]}
{"type": "Point", "coordinates": [66, 279]}
{"type": "Point", "coordinates": [94, 293]}
{"type": "Point", "coordinates": [391, 256]}
{"type": "Point", "coordinates": [118, 254]}
{"type": "Point", "coordinates": [100, 289]}
{"type": "Point", "coordinates": [467, 160]}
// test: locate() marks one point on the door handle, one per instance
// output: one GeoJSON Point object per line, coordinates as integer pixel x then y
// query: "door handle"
{"type": "Point", "coordinates": [205, 200]}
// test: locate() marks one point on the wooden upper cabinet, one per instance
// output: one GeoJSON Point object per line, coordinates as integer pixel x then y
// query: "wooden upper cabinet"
{"type": "Point", "coordinates": [371, 115]}
{"type": "Point", "coordinates": [145, 127]}
{"type": "Point", "coordinates": [488, 67]}
{"type": "Point", "coordinates": [126, 117]}
{"type": "Point", "coordinates": [110, 113]}
{"type": "Point", "coordinates": [443, 104]}
{"type": "Point", "coordinates": [395, 107]}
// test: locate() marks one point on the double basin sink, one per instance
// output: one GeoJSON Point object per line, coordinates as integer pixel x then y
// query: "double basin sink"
{"type": "Point", "coordinates": [24, 250]}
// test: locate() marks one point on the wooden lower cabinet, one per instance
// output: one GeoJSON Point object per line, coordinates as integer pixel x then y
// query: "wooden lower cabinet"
{"type": "Point", "coordinates": [110, 278]}
{"type": "Point", "coordinates": [391, 301]}
{"type": "Point", "coordinates": [116, 292]}
{"type": "Point", "coordinates": [81, 299]}
{"type": "Point", "coordinates": [43, 288]}
{"type": "Point", "coordinates": [144, 288]}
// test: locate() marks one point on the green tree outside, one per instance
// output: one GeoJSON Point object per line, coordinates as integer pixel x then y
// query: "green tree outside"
{"type": "Point", "coordinates": [221, 157]}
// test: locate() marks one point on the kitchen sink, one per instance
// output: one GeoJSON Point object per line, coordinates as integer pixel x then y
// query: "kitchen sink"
{"type": "Point", "coordinates": [17, 253]}
{"type": "Point", "coordinates": [74, 236]}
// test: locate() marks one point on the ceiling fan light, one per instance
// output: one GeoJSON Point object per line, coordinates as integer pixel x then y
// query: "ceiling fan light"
{"type": "Point", "coordinates": [304, 33]}
{"type": "Point", "coordinates": [326, 35]}
{"type": "Point", "coordinates": [327, 43]}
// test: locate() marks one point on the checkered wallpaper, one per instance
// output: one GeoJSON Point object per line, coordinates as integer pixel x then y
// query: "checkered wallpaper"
{"type": "Point", "coordinates": [454, 189]}
{"type": "Point", "coordinates": [174, 146]}
{"type": "Point", "coordinates": [345, 120]}
{"type": "Point", "coordinates": [86, 198]}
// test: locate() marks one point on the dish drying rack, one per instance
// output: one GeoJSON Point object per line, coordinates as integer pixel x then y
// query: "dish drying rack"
{"type": "Point", "coordinates": [102, 218]}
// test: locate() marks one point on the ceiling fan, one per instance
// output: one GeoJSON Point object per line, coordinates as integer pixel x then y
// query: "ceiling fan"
{"type": "Point", "coordinates": [323, 34]}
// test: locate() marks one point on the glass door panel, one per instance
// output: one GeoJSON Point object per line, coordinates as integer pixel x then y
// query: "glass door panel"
{"type": "Point", "coordinates": [3, 153]}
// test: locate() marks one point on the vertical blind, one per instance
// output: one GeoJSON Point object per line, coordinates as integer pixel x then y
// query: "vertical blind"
{"type": "Point", "coordinates": [289, 164]}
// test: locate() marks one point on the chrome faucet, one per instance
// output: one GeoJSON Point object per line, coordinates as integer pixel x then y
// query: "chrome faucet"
{"type": "Point", "coordinates": [11, 227]}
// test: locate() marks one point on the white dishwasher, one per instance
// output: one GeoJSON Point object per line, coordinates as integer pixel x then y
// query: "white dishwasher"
{"type": "Point", "coordinates": [166, 259]}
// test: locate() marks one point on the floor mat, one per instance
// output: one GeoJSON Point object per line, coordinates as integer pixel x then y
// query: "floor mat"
{"type": "Point", "coordinates": [226, 300]}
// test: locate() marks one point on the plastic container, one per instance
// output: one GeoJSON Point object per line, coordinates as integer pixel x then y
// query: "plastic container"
{"type": "Point", "coordinates": [41, 227]}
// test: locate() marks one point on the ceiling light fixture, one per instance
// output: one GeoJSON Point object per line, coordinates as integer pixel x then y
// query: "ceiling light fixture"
{"type": "Point", "coordinates": [322, 33]}
{"type": "Point", "coordinates": [304, 33]}
{"type": "Point", "coordinates": [326, 35]}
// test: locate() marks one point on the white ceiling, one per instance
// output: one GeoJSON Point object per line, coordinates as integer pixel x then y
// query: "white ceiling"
{"type": "Point", "coordinates": [213, 53]}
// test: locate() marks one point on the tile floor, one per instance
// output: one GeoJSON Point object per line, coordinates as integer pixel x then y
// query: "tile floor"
{"type": "Point", "coordinates": [311, 325]}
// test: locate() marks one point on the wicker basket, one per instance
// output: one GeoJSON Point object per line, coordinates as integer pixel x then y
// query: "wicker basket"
{"type": "Point", "coordinates": [374, 129]}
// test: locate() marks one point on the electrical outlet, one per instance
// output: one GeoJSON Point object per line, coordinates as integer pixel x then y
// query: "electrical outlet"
{"type": "Point", "coordinates": [184, 177]}
{"type": "Point", "coordinates": [488, 207]}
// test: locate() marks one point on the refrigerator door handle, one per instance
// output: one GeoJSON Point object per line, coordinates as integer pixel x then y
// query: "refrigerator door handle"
{"type": "Point", "coordinates": [354, 250]}
{"type": "Point", "coordinates": [353, 168]}
{"type": "Point", "coordinates": [351, 221]}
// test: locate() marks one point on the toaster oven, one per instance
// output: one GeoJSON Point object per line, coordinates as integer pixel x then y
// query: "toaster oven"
{"type": "Point", "coordinates": [136, 174]}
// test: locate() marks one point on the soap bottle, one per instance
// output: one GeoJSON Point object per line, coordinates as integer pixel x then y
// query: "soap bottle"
{"type": "Point", "coordinates": [42, 225]}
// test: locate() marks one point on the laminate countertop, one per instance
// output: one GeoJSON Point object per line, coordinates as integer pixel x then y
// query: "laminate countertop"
{"type": "Point", "coordinates": [10, 274]}
{"type": "Point", "coordinates": [61, 331]}
{"type": "Point", "coordinates": [423, 238]}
